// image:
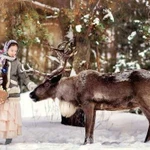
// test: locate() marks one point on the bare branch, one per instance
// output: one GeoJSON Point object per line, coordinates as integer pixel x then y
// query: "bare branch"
{"type": "Point", "coordinates": [44, 6]}
{"type": "Point", "coordinates": [39, 5]}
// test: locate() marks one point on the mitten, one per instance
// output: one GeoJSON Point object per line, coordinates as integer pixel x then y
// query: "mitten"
{"type": "Point", "coordinates": [31, 86]}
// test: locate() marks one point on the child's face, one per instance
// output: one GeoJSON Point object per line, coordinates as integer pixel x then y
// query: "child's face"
{"type": "Point", "coordinates": [12, 51]}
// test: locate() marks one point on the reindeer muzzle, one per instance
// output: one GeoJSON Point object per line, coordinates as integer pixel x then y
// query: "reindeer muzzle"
{"type": "Point", "coordinates": [33, 97]}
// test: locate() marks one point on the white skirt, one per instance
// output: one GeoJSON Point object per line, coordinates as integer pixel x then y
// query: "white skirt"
{"type": "Point", "coordinates": [10, 119]}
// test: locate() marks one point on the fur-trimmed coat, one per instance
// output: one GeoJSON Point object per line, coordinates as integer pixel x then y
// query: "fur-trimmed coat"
{"type": "Point", "coordinates": [15, 76]}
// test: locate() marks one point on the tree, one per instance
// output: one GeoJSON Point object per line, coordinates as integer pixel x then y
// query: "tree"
{"type": "Point", "coordinates": [131, 33]}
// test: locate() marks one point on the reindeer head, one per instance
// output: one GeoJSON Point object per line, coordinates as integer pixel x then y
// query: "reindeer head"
{"type": "Point", "coordinates": [48, 88]}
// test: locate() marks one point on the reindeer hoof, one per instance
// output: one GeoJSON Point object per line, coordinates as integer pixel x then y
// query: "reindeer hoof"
{"type": "Point", "coordinates": [88, 141]}
{"type": "Point", "coordinates": [147, 139]}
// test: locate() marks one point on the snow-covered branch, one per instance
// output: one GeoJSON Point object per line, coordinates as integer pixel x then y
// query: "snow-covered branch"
{"type": "Point", "coordinates": [108, 14]}
{"type": "Point", "coordinates": [41, 5]}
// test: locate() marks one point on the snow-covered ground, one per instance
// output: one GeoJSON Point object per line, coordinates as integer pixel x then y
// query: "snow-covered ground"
{"type": "Point", "coordinates": [42, 130]}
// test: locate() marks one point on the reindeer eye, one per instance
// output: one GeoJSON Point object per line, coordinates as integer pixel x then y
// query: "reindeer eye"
{"type": "Point", "coordinates": [47, 84]}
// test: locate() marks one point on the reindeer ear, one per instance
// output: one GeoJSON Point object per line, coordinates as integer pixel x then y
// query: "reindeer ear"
{"type": "Point", "coordinates": [56, 78]}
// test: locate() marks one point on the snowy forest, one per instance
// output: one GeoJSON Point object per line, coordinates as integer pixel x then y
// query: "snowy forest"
{"type": "Point", "coordinates": [108, 36]}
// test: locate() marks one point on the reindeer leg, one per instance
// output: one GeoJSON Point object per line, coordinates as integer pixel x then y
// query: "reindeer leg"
{"type": "Point", "coordinates": [148, 134]}
{"type": "Point", "coordinates": [147, 114]}
{"type": "Point", "coordinates": [90, 122]}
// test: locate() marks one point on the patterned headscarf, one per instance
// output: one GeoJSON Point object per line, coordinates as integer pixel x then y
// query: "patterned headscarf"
{"type": "Point", "coordinates": [7, 45]}
{"type": "Point", "coordinates": [3, 53]}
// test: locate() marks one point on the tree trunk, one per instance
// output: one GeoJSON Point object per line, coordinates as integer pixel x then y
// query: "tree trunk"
{"type": "Point", "coordinates": [81, 62]}
{"type": "Point", "coordinates": [98, 59]}
{"type": "Point", "coordinates": [82, 58]}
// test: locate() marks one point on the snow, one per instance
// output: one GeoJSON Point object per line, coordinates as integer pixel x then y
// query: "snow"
{"type": "Point", "coordinates": [108, 15]}
{"type": "Point", "coordinates": [132, 35]}
{"type": "Point", "coordinates": [42, 130]}
{"type": "Point", "coordinates": [78, 28]}
{"type": "Point", "coordinates": [86, 18]}
{"type": "Point", "coordinates": [96, 21]}
{"type": "Point", "coordinates": [73, 72]}
{"type": "Point", "coordinates": [70, 33]}
{"type": "Point", "coordinates": [37, 40]}
{"type": "Point", "coordinates": [46, 6]}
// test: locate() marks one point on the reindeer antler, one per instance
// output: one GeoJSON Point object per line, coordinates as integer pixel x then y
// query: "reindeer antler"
{"type": "Point", "coordinates": [31, 70]}
{"type": "Point", "coordinates": [64, 52]}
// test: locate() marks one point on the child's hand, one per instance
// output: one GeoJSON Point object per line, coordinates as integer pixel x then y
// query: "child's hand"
{"type": "Point", "coordinates": [31, 86]}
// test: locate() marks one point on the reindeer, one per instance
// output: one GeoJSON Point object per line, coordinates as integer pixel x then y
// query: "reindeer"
{"type": "Point", "coordinates": [91, 91]}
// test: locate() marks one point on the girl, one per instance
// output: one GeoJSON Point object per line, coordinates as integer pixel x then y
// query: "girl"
{"type": "Point", "coordinates": [11, 76]}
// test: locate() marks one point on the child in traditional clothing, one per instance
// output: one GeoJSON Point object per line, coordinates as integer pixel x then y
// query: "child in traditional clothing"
{"type": "Point", "coordinates": [11, 76]}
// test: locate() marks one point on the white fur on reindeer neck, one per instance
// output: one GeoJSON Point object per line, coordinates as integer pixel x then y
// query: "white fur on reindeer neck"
{"type": "Point", "coordinates": [66, 109]}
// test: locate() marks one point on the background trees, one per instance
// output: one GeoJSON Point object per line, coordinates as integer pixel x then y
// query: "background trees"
{"type": "Point", "coordinates": [109, 35]}
{"type": "Point", "coordinates": [131, 34]}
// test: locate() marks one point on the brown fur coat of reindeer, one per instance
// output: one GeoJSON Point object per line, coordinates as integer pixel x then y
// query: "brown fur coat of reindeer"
{"type": "Point", "coordinates": [91, 91]}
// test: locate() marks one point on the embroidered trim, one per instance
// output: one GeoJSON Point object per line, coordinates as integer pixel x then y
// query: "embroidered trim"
{"type": "Point", "coordinates": [13, 82]}
{"type": "Point", "coordinates": [14, 99]}
{"type": "Point", "coordinates": [13, 90]}
{"type": "Point", "coordinates": [8, 75]}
